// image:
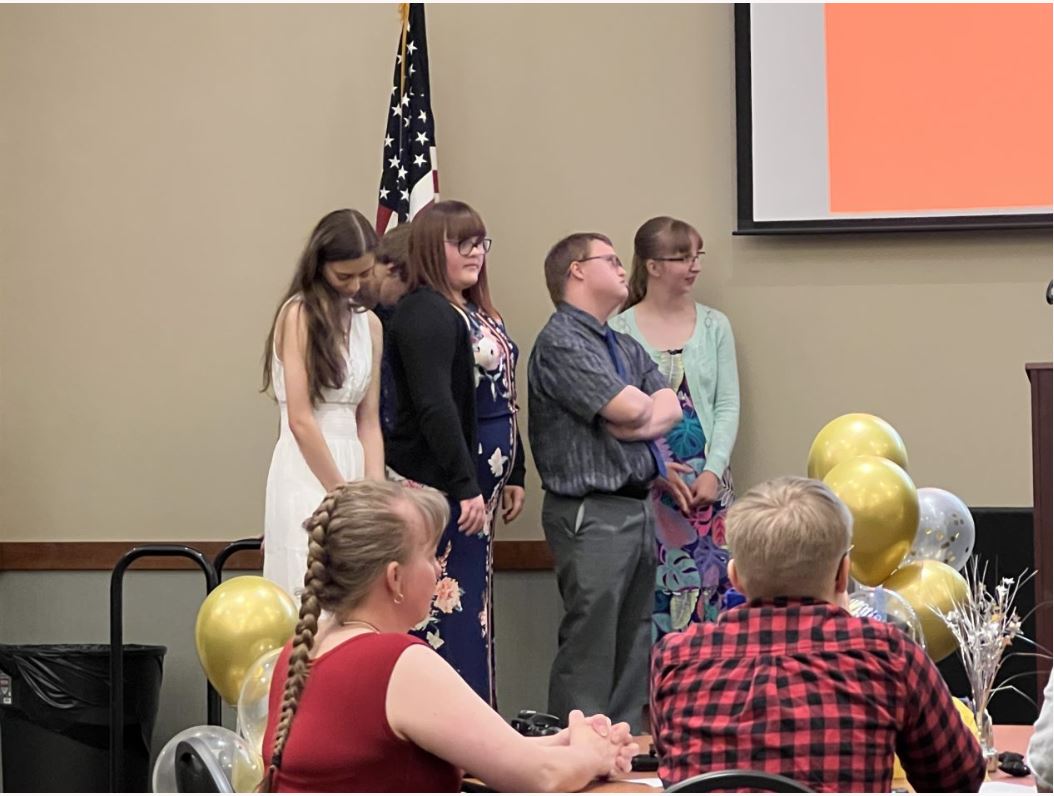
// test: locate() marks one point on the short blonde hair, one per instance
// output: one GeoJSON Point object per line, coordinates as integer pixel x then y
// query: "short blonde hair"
{"type": "Point", "coordinates": [787, 537]}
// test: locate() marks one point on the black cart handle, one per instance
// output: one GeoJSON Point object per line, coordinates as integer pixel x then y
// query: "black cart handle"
{"type": "Point", "coordinates": [117, 645]}
{"type": "Point", "coordinates": [252, 543]}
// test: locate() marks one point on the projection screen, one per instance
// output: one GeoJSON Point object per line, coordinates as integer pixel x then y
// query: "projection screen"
{"type": "Point", "coordinates": [861, 117]}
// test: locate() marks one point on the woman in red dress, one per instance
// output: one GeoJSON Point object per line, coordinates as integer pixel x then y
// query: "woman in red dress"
{"type": "Point", "coordinates": [366, 707]}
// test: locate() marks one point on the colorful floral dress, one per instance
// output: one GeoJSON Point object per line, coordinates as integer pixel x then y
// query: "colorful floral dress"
{"type": "Point", "coordinates": [460, 624]}
{"type": "Point", "coordinates": [692, 574]}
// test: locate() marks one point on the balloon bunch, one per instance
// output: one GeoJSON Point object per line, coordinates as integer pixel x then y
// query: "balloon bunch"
{"type": "Point", "coordinates": [909, 541]}
{"type": "Point", "coordinates": [239, 633]}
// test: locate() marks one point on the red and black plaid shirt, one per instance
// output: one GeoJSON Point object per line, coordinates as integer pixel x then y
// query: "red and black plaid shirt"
{"type": "Point", "coordinates": [803, 689]}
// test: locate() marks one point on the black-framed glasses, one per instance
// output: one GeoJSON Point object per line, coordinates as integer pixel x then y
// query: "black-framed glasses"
{"type": "Point", "coordinates": [687, 259]}
{"type": "Point", "coordinates": [612, 259]}
{"type": "Point", "coordinates": [465, 246]}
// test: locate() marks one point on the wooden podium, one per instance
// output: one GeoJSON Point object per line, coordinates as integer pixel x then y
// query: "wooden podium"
{"type": "Point", "coordinates": [1039, 378]}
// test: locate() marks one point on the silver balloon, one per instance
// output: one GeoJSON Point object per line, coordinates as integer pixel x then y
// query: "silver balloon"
{"type": "Point", "coordinates": [242, 766]}
{"type": "Point", "coordinates": [887, 606]}
{"type": "Point", "coordinates": [946, 531]}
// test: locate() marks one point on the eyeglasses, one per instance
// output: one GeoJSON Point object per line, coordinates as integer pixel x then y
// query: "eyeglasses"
{"type": "Point", "coordinates": [687, 259]}
{"type": "Point", "coordinates": [612, 259]}
{"type": "Point", "coordinates": [465, 246]}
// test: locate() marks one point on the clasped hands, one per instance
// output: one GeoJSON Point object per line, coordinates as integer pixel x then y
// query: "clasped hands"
{"type": "Point", "coordinates": [613, 742]}
{"type": "Point", "coordinates": [703, 491]}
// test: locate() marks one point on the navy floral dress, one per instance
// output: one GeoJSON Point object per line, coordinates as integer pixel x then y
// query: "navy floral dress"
{"type": "Point", "coordinates": [460, 624]}
{"type": "Point", "coordinates": [692, 575]}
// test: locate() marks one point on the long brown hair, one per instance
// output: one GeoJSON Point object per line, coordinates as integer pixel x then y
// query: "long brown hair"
{"type": "Point", "coordinates": [352, 537]}
{"type": "Point", "coordinates": [340, 235]}
{"type": "Point", "coordinates": [661, 236]}
{"type": "Point", "coordinates": [448, 220]}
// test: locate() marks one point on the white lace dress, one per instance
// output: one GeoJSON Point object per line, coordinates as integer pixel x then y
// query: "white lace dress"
{"type": "Point", "coordinates": [293, 491]}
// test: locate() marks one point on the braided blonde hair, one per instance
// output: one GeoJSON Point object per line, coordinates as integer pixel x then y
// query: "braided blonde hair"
{"type": "Point", "coordinates": [352, 537]}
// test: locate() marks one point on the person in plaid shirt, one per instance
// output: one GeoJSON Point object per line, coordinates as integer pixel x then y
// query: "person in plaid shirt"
{"type": "Point", "coordinates": [790, 683]}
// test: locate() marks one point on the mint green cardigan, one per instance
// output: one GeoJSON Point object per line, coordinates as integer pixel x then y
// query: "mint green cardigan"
{"type": "Point", "coordinates": [713, 379]}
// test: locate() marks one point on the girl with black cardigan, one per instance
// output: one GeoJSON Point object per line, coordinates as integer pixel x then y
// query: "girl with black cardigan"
{"type": "Point", "coordinates": [454, 369]}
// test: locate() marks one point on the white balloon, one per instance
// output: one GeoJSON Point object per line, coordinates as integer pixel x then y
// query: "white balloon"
{"type": "Point", "coordinates": [240, 764]}
{"type": "Point", "coordinates": [946, 531]}
{"type": "Point", "coordinates": [887, 606]}
{"type": "Point", "coordinates": [254, 698]}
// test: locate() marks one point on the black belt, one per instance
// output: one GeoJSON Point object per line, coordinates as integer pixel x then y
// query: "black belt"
{"type": "Point", "coordinates": [634, 491]}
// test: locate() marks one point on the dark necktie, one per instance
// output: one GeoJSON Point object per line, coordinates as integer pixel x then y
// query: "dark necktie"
{"type": "Point", "coordinates": [612, 342]}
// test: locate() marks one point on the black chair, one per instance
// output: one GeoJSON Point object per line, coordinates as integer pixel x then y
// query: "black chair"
{"type": "Point", "coordinates": [738, 778]}
{"type": "Point", "coordinates": [197, 770]}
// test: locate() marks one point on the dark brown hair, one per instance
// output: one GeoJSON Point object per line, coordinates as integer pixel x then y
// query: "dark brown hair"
{"type": "Point", "coordinates": [394, 248]}
{"type": "Point", "coordinates": [562, 254]}
{"type": "Point", "coordinates": [340, 235]}
{"type": "Point", "coordinates": [448, 220]}
{"type": "Point", "coordinates": [661, 236]}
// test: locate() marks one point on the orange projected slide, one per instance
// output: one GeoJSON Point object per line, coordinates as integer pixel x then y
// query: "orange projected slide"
{"type": "Point", "coordinates": [938, 107]}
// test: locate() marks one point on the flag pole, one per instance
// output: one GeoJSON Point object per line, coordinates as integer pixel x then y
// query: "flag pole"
{"type": "Point", "coordinates": [409, 176]}
{"type": "Point", "coordinates": [404, 15]}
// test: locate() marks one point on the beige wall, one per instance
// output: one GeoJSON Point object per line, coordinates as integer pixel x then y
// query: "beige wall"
{"type": "Point", "coordinates": [161, 167]}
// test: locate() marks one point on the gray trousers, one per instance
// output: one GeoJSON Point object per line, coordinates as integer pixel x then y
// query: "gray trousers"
{"type": "Point", "coordinates": [604, 548]}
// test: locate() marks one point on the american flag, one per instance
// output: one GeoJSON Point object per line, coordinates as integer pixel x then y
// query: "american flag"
{"type": "Point", "coordinates": [410, 178]}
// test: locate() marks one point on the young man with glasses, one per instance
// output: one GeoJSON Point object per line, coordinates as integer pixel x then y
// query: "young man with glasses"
{"type": "Point", "coordinates": [597, 403]}
{"type": "Point", "coordinates": [790, 683]}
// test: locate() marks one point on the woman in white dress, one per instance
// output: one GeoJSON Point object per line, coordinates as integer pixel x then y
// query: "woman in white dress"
{"type": "Point", "coordinates": [323, 361]}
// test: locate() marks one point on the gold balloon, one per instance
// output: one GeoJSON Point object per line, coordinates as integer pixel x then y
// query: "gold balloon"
{"type": "Point", "coordinates": [925, 584]}
{"type": "Point", "coordinates": [853, 435]}
{"type": "Point", "coordinates": [885, 508]}
{"type": "Point", "coordinates": [237, 623]}
{"type": "Point", "coordinates": [247, 773]}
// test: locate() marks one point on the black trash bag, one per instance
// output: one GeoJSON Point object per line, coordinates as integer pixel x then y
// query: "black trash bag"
{"type": "Point", "coordinates": [55, 733]}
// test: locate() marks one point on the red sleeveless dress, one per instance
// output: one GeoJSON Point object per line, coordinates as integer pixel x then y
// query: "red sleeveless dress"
{"type": "Point", "coordinates": [340, 740]}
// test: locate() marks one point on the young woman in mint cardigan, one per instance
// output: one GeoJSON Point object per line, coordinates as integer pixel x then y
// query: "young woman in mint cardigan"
{"type": "Point", "coordinates": [692, 345]}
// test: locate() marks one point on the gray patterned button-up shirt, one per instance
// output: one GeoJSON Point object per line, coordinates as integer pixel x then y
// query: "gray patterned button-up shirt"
{"type": "Point", "coordinates": [570, 378]}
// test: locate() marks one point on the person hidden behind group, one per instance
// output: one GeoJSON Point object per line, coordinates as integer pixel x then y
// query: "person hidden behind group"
{"type": "Point", "coordinates": [357, 704]}
{"type": "Point", "coordinates": [790, 683]}
{"type": "Point", "coordinates": [380, 290]}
